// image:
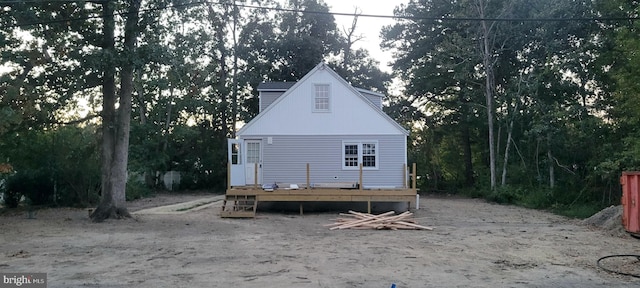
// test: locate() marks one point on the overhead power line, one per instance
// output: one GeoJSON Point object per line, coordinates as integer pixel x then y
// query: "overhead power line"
{"type": "Point", "coordinates": [44, 1]}
{"type": "Point", "coordinates": [417, 18]}
{"type": "Point", "coordinates": [472, 19]}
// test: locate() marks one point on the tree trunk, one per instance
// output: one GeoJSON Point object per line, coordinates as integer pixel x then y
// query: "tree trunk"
{"type": "Point", "coordinates": [115, 146]}
{"type": "Point", "coordinates": [486, 61]}
{"type": "Point", "coordinates": [485, 51]}
{"type": "Point", "coordinates": [506, 155]}
{"type": "Point", "coordinates": [165, 140]}
{"type": "Point", "coordinates": [351, 39]}
{"type": "Point", "coordinates": [468, 163]}
{"type": "Point", "coordinates": [234, 92]}
{"type": "Point", "coordinates": [141, 104]}
{"type": "Point", "coordinates": [506, 148]}
{"type": "Point", "coordinates": [220, 34]}
{"type": "Point", "coordinates": [552, 177]}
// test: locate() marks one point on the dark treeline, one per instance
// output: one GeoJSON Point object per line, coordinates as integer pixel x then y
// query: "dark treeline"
{"type": "Point", "coordinates": [539, 113]}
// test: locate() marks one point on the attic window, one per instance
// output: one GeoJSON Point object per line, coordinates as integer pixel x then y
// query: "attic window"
{"type": "Point", "coordinates": [322, 97]}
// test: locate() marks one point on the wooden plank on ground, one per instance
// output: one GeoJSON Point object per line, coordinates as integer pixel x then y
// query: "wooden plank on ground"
{"type": "Point", "coordinates": [388, 220]}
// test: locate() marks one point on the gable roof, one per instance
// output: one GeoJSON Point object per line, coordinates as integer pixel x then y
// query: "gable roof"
{"type": "Point", "coordinates": [275, 86]}
{"type": "Point", "coordinates": [380, 122]}
{"type": "Point", "coordinates": [284, 86]}
{"type": "Point", "coordinates": [369, 92]}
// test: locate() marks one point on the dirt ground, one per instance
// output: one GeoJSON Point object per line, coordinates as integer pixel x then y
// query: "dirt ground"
{"type": "Point", "coordinates": [474, 244]}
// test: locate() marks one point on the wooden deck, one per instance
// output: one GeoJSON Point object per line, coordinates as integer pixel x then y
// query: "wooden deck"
{"type": "Point", "coordinates": [242, 201]}
{"type": "Point", "coordinates": [317, 195]}
{"type": "Point", "coordinates": [329, 195]}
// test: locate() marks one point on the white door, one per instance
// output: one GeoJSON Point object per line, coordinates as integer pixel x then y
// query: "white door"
{"type": "Point", "coordinates": [253, 165]}
{"type": "Point", "coordinates": [235, 153]}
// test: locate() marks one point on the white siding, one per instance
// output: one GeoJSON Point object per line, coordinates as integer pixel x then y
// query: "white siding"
{"type": "Point", "coordinates": [268, 97]}
{"type": "Point", "coordinates": [286, 158]}
{"type": "Point", "coordinates": [350, 112]}
{"type": "Point", "coordinates": [375, 99]}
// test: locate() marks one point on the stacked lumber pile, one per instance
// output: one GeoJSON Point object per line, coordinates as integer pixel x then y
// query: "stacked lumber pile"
{"type": "Point", "coordinates": [388, 220]}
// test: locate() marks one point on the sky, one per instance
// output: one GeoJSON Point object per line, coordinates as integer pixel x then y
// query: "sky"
{"type": "Point", "coordinates": [367, 26]}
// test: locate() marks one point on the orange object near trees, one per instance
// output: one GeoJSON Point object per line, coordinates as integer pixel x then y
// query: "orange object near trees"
{"type": "Point", "coordinates": [630, 181]}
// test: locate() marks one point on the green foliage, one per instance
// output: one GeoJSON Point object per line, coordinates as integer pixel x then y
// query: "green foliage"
{"type": "Point", "coordinates": [536, 198]}
{"type": "Point", "coordinates": [569, 139]}
{"type": "Point", "coordinates": [10, 198]}
{"type": "Point", "coordinates": [194, 73]}
{"type": "Point", "coordinates": [580, 211]}
{"type": "Point", "coordinates": [504, 195]}
{"type": "Point", "coordinates": [566, 203]}
{"type": "Point", "coordinates": [137, 190]}
{"type": "Point", "coordinates": [58, 166]}
{"type": "Point", "coordinates": [76, 166]}
{"type": "Point", "coordinates": [304, 41]}
{"type": "Point", "coordinates": [35, 185]}
{"type": "Point", "coordinates": [569, 90]}
{"type": "Point", "coordinates": [362, 71]}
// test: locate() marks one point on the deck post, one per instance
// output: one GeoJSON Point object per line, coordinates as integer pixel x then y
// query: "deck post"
{"type": "Point", "coordinates": [308, 184]}
{"type": "Point", "coordinates": [414, 174]}
{"type": "Point", "coordinates": [404, 175]}
{"type": "Point", "coordinates": [228, 175]}
{"type": "Point", "coordinates": [255, 174]}
{"type": "Point", "coordinates": [360, 186]}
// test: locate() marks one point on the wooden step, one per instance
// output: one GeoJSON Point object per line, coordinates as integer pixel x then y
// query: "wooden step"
{"type": "Point", "coordinates": [239, 206]}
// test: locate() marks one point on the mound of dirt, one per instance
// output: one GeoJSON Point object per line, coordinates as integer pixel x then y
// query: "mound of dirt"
{"type": "Point", "coordinates": [608, 219]}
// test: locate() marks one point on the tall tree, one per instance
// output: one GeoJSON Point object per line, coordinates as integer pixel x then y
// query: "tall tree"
{"type": "Point", "coordinates": [456, 58]}
{"type": "Point", "coordinates": [117, 121]}
{"type": "Point", "coordinates": [304, 40]}
{"type": "Point", "coordinates": [40, 73]}
{"type": "Point", "coordinates": [620, 61]}
{"type": "Point", "coordinates": [438, 61]}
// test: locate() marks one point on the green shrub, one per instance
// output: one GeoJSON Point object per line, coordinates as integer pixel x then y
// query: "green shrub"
{"type": "Point", "coordinates": [472, 192]}
{"type": "Point", "coordinates": [137, 190]}
{"type": "Point", "coordinates": [541, 198]}
{"type": "Point", "coordinates": [58, 166]}
{"type": "Point", "coordinates": [35, 185]}
{"type": "Point", "coordinates": [504, 195]}
{"type": "Point", "coordinates": [11, 199]}
{"type": "Point", "coordinates": [580, 211]}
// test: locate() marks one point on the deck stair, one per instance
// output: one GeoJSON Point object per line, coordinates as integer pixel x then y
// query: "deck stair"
{"type": "Point", "coordinates": [239, 206]}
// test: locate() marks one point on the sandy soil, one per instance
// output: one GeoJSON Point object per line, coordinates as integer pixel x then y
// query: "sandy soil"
{"type": "Point", "coordinates": [474, 244]}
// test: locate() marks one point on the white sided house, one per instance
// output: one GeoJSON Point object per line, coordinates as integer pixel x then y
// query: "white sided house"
{"type": "Point", "coordinates": [319, 131]}
{"type": "Point", "coordinates": [325, 122]}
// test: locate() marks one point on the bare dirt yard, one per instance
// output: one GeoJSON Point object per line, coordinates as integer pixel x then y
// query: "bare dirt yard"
{"type": "Point", "coordinates": [474, 244]}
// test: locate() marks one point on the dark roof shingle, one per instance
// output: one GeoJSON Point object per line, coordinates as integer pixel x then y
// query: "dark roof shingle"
{"type": "Point", "coordinates": [282, 86]}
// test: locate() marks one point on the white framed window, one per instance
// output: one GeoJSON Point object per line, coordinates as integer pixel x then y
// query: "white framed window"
{"type": "Point", "coordinates": [350, 155]}
{"type": "Point", "coordinates": [322, 98]}
{"type": "Point", "coordinates": [369, 153]}
{"type": "Point", "coordinates": [236, 154]}
{"type": "Point", "coordinates": [356, 152]}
